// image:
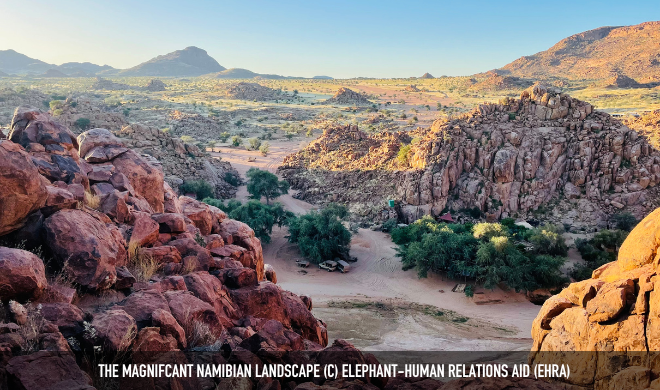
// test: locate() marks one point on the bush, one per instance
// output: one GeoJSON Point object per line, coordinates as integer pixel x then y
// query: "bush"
{"type": "Point", "coordinates": [389, 225]}
{"type": "Point", "coordinates": [265, 184]}
{"type": "Point", "coordinates": [83, 123]}
{"type": "Point", "coordinates": [56, 104]}
{"type": "Point", "coordinates": [236, 141]}
{"type": "Point", "coordinates": [487, 230]}
{"type": "Point", "coordinates": [233, 179]}
{"type": "Point", "coordinates": [264, 148]}
{"type": "Point", "coordinates": [403, 156]}
{"type": "Point", "coordinates": [603, 248]}
{"type": "Point", "coordinates": [224, 136]}
{"type": "Point", "coordinates": [254, 144]}
{"type": "Point", "coordinates": [321, 235]}
{"type": "Point", "coordinates": [624, 221]}
{"type": "Point", "coordinates": [188, 139]}
{"type": "Point", "coordinates": [549, 240]}
{"type": "Point", "coordinates": [200, 188]}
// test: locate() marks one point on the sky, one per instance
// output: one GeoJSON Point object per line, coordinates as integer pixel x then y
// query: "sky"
{"type": "Point", "coordinates": [337, 38]}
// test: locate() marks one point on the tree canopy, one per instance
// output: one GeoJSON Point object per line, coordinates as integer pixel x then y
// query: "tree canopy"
{"type": "Point", "coordinates": [321, 235]}
{"type": "Point", "coordinates": [265, 184]}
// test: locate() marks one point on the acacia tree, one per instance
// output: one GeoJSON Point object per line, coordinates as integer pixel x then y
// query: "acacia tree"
{"type": "Point", "coordinates": [321, 235]}
{"type": "Point", "coordinates": [263, 183]}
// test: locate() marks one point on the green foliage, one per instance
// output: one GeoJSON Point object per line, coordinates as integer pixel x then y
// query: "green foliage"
{"type": "Point", "coordinates": [263, 183]}
{"type": "Point", "coordinates": [624, 221]}
{"type": "Point", "coordinates": [469, 291]}
{"type": "Point", "coordinates": [260, 217]}
{"type": "Point", "coordinates": [187, 139]}
{"type": "Point", "coordinates": [126, 111]}
{"type": "Point", "coordinates": [549, 240]}
{"type": "Point", "coordinates": [603, 248]}
{"type": "Point", "coordinates": [56, 104]}
{"type": "Point", "coordinates": [236, 141]}
{"type": "Point", "coordinates": [488, 253]}
{"type": "Point", "coordinates": [200, 188]}
{"type": "Point", "coordinates": [254, 144]}
{"type": "Point", "coordinates": [321, 235]}
{"type": "Point", "coordinates": [83, 123]}
{"type": "Point", "coordinates": [224, 136]}
{"type": "Point", "coordinates": [389, 225]}
{"type": "Point", "coordinates": [403, 156]}
{"type": "Point", "coordinates": [264, 148]}
{"type": "Point", "coordinates": [233, 179]}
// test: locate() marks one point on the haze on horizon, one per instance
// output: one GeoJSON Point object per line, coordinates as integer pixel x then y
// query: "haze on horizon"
{"type": "Point", "coordinates": [341, 38]}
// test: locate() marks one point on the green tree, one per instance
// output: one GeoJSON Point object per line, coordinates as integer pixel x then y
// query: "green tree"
{"type": "Point", "coordinates": [236, 141]}
{"type": "Point", "coordinates": [264, 148]}
{"type": "Point", "coordinates": [260, 217]}
{"type": "Point", "coordinates": [254, 144]}
{"type": "Point", "coordinates": [200, 188]}
{"type": "Point", "coordinates": [263, 183]}
{"type": "Point", "coordinates": [82, 123]}
{"type": "Point", "coordinates": [321, 235]}
{"type": "Point", "coordinates": [549, 240]}
{"type": "Point", "coordinates": [624, 221]}
{"type": "Point", "coordinates": [224, 136]}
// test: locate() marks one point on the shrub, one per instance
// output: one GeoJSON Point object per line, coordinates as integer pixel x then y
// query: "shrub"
{"type": "Point", "coordinates": [624, 221]}
{"type": "Point", "coordinates": [264, 148]}
{"type": "Point", "coordinates": [389, 225]}
{"type": "Point", "coordinates": [201, 188]}
{"type": "Point", "coordinates": [188, 139]}
{"type": "Point", "coordinates": [236, 141]}
{"type": "Point", "coordinates": [224, 136]}
{"type": "Point", "coordinates": [549, 240]}
{"type": "Point", "coordinates": [403, 156]}
{"type": "Point", "coordinates": [56, 104]}
{"type": "Point", "coordinates": [321, 235]}
{"type": "Point", "coordinates": [233, 179]}
{"type": "Point", "coordinates": [265, 184]}
{"type": "Point", "coordinates": [254, 144]}
{"type": "Point", "coordinates": [82, 123]}
{"type": "Point", "coordinates": [600, 250]}
{"type": "Point", "coordinates": [487, 230]}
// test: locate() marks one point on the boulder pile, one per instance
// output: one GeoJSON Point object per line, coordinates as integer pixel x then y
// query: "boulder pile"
{"type": "Point", "coordinates": [132, 266]}
{"type": "Point", "coordinates": [348, 96]}
{"type": "Point", "coordinates": [109, 85]}
{"type": "Point", "coordinates": [612, 319]}
{"type": "Point", "coordinates": [250, 91]}
{"type": "Point", "coordinates": [509, 159]}
{"type": "Point", "coordinates": [179, 161]}
{"type": "Point", "coordinates": [155, 85]}
{"type": "Point", "coordinates": [99, 115]}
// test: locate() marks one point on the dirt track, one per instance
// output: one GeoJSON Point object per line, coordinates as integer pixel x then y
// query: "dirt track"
{"type": "Point", "coordinates": [499, 320]}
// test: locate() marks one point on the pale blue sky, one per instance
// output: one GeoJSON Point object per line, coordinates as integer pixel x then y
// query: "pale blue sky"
{"type": "Point", "coordinates": [306, 38]}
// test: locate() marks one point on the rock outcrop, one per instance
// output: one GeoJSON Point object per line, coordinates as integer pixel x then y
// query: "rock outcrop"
{"type": "Point", "coordinates": [179, 161]}
{"type": "Point", "coordinates": [348, 96]}
{"type": "Point", "coordinates": [250, 91]}
{"type": "Point", "coordinates": [507, 160]}
{"type": "Point", "coordinates": [155, 85]}
{"type": "Point", "coordinates": [611, 320]}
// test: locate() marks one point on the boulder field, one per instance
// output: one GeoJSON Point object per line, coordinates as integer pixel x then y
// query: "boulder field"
{"type": "Point", "coordinates": [545, 156]}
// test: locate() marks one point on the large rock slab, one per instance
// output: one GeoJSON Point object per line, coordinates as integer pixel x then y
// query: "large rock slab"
{"type": "Point", "coordinates": [88, 249]}
{"type": "Point", "coordinates": [23, 190]}
{"type": "Point", "coordinates": [22, 275]}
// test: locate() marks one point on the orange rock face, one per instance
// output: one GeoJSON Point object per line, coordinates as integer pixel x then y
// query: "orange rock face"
{"type": "Point", "coordinates": [612, 318]}
{"type": "Point", "coordinates": [23, 191]}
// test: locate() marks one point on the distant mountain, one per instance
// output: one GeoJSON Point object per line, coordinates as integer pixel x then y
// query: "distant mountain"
{"type": "Point", "coordinates": [14, 62]}
{"type": "Point", "coordinates": [239, 73]}
{"type": "Point", "coordinates": [76, 68]}
{"type": "Point", "coordinates": [54, 73]}
{"type": "Point", "coordinates": [427, 75]}
{"type": "Point", "coordinates": [322, 78]}
{"type": "Point", "coordinates": [632, 51]}
{"type": "Point", "coordinates": [3, 74]}
{"type": "Point", "coordinates": [191, 61]}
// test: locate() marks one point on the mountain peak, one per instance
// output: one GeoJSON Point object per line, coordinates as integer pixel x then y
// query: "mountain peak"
{"type": "Point", "coordinates": [191, 61]}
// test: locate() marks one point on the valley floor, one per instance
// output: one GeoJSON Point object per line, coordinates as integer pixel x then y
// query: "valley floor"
{"type": "Point", "coordinates": [378, 306]}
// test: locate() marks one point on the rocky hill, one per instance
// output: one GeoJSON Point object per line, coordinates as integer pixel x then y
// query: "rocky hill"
{"type": "Point", "coordinates": [239, 73]}
{"type": "Point", "coordinates": [179, 161]}
{"type": "Point", "coordinates": [612, 319]}
{"type": "Point", "coordinates": [191, 61]}
{"type": "Point", "coordinates": [545, 156]}
{"type": "Point", "coordinates": [647, 124]}
{"type": "Point", "coordinates": [632, 51]}
{"type": "Point", "coordinates": [347, 96]}
{"type": "Point", "coordinates": [250, 91]}
{"type": "Point", "coordinates": [14, 62]}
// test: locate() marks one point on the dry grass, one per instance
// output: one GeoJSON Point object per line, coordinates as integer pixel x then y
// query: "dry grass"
{"type": "Point", "coordinates": [92, 201]}
{"type": "Point", "coordinates": [197, 332]}
{"type": "Point", "coordinates": [189, 267]}
{"type": "Point", "coordinates": [30, 331]}
{"type": "Point", "coordinates": [141, 265]}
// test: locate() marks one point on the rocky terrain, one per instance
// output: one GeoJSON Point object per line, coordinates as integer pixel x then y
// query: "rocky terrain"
{"type": "Point", "coordinates": [250, 91]}
{"type": "Point", "coordinates": [632, 51]}
{"type": "Point", "coordinates": [155, 85]}
{"type": "Point", "coordinates": [98, 114]}
{"type": "Point", "coordinates": [179, 161]}
{"type": "Point", "coordinates": [612, 318]}
{"type": "Point", "coordinates": [647, 124]}
{"type": "Point", "coordinates": [497, 82]}
{"type": "Point", "coordinates": [545, 156]}
{"type": "Point", "coordinates": [11, 98]}
{"type": "Point", "coordinates": [348, 96]}
{"type": "Point", "coordinates": [109, 85]}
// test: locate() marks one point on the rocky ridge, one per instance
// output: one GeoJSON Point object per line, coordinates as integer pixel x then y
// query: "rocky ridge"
{"type": "Point", "coordinates": [510, 159]}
